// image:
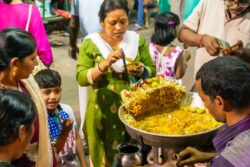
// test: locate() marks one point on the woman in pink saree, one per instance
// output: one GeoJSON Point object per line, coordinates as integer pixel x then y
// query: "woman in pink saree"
{"type": "Point", "coordinates": [15, 13]}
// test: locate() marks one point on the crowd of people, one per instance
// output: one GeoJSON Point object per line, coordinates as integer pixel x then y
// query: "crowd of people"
{"type": "Point", "coordinates": [38, 130]}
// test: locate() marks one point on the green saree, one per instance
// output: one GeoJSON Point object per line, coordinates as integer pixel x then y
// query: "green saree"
{"type": "Point", "coordinates": [103, 129]}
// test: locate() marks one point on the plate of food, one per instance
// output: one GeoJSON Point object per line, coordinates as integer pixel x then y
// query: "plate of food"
{"type": "Point", "coordinates": [132, 65]}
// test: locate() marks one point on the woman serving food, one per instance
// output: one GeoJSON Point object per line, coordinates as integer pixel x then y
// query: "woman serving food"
{"type": "Point", "coordinates": [100, 64]}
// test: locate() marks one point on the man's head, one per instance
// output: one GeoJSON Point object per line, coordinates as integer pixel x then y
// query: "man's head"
{"type": "Point", "coordinates": [237, 6]}
{"type": "Point", "coordinates": [224, 86]}
{"type": "Point", "coordinates": [49, 82]}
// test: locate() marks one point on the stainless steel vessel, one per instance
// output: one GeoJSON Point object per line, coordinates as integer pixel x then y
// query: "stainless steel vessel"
{"type": "Point", "coordinates": [170, 141]}
{"type": "Point", "coordinates": [129, 155]}
{"type": "Point", "coordinates": [176, 142]}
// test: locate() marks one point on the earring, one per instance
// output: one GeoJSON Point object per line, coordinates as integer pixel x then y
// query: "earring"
{"type": "Point", "coordinates": [13, 72]}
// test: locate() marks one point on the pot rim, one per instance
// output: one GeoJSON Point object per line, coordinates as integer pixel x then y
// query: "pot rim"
{"type": "Point", "coordinates": [164, 135]}
{"type": "Point", "coordinates": [127, 144]}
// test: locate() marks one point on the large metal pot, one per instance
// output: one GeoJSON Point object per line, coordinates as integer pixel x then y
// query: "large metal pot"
{"type": "Point", "coordinates": [169, 141]}
{"type": "Point", "coordinates": [166, 142]}
{"type": "Point", "coordinates": [175, 142]}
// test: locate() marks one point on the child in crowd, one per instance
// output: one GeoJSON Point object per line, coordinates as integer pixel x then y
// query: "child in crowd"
{"type": "Point", "coordinates": [59, 115]}
{"type": "Point", "coordinates": [170, 60]}
{"type": "Point", "coordinates": [17, 115]}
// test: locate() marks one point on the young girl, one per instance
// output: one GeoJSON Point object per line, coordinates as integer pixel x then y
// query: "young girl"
{"type": "Point", "coordinates": [170, 60]}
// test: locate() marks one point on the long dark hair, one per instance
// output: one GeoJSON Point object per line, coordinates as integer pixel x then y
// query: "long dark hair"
{"type": "Point", "coordinates": [15, 42]}
{"type": "Point", "coordinates": [110, 5]}
{"type": "Point", "coordinates": [164, 31]}
{"type": "Point", "coordinates": [16, 109]}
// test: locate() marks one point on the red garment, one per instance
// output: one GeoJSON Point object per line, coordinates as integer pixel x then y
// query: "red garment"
{"type": "Point", "coordinates": [24, 161]}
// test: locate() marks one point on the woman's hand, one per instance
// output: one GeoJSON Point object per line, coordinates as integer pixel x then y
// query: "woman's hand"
{"type": "Point", "coordinates": [113, 57]}
{"type": "Point", "coordinates": [191, 155]}
{"type": "Point", "coordinates": [211, 45]}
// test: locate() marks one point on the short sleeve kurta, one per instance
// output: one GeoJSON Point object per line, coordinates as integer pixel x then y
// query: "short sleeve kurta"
{"type": "Point", "coordinates": [209, 17]}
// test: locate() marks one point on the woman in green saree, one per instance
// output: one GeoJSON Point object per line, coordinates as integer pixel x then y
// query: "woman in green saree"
{"type": "Point", "coordinates": [100, 65]}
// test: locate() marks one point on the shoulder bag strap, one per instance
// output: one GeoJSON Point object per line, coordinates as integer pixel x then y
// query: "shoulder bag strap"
{"type": "Point", "coordinates": [28, 20]}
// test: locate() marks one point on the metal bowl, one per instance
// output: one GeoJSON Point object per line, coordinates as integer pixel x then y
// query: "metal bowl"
{"type": "Point", "coordinates": [176, 142]}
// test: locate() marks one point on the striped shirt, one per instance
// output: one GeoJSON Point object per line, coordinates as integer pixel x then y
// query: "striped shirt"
{"type": "Point", "coordinates": [233, 146]}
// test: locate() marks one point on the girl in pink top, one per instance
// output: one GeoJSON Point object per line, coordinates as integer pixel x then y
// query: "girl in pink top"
{"type": "Point", "coordinates": [15, 14]}
{"type": "Point", "coordinates": [170, 60]}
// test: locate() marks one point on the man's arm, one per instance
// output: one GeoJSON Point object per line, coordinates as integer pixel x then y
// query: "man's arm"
{"type": "Point", "coordinates": [189, 37]}
{"type": "Point", "coordinates": [191, 155]}
{"type": "Point", "coordinates": [73, 34]}
{"type": "Point", "coordinates": [210, 43]}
